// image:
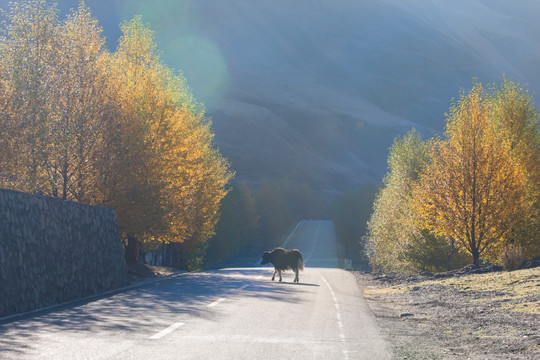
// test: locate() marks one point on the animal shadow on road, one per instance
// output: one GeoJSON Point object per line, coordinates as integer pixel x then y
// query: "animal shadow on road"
{"type": "Point", "coordinates": [297, 284]}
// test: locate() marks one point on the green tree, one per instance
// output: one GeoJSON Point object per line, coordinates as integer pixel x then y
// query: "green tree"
{"type": "Point", "coordinates": [237, 227]}
{"type": "Point", "coordinates": [352, 212]}
{"type": "Point", "coordinates": [302, 200]}
{"type": "Point", "coordinates": [391, 232]}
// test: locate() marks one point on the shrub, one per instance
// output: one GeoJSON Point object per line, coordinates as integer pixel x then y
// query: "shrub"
{"type": "Point", "coordinates": [512, 257]}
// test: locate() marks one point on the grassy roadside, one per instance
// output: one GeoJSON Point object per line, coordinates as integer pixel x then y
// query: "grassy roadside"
{"type": "Point", "coordinates": [473, 316]}
{"type": "Point", "coordinates": [515, 291]}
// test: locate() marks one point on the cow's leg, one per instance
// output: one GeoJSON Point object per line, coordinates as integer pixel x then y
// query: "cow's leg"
{"type": "Point", "coordinates": [279, 272]}
{"type": "Point", "coordinates": [274, 275]}
{"type": "Point", "coordinates": [295, 275]}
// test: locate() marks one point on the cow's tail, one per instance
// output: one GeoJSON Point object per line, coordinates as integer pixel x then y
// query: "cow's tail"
{"type": "Point", "coordinates": [300, 261]}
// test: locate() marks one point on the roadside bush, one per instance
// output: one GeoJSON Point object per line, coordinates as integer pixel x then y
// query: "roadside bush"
{"type": "Point", "coordinates": [512, 257]}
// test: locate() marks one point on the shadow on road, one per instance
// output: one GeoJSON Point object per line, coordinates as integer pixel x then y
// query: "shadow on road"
{"type": "Point", "coordinates": [137, 312]}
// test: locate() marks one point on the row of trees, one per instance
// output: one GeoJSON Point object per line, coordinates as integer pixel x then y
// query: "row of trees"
{"type": "Point", "coordinates": [351, 211]}
{"type": "Point", "coordinates": [472, 195]}
{"type": "Point", "coordinates": [116, 129]}
{"type": "Point", "coordinates": [259, 219]}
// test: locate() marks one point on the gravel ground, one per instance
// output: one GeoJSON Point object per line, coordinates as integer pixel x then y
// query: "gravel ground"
{"type": "Point", "coordinates": [139, 272]}
{"type": "Point", "coordinates": [458, 316]}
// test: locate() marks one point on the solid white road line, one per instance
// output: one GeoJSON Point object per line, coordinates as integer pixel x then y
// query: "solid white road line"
{"type": "Point", "coordinates": [216, 302]}
{"type": "Point", "coordinates": [166, 331]}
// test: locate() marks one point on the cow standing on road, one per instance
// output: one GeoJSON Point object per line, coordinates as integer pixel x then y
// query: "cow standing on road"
{"type": "Point", "coordinates": [284, 259]}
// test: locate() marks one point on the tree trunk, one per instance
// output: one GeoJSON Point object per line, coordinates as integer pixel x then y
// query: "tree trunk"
{"type": "Point", "coordinates": [132, 250]}
{"type": "Point", "coordinates": [476, 257]}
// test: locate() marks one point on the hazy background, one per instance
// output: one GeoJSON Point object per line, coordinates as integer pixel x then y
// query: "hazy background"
{"type": "Point", "coordinates": [315, 91]}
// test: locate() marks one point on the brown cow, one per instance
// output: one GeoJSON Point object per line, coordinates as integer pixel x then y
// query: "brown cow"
{"type": "Point", "coordinates": [284, 259]}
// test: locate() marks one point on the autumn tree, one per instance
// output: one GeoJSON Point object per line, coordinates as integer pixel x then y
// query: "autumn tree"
{"type": "Point", "coordinates": [391, 231]}
{"type": "Point", "coordinates": [473, 190]}
{"type": "Point", "coordinates": [168, 177]}
{"type": "Point", "coordinates": [81, 110]}
{"type": "Point", "coordinates": [58, 103]}
{"type": "Point", "coordinates": [27, 51]}
{"type": "Point", "coordinates": [131, 172]}
{"type": "Point", "coordinates": [112, 129]}
{"type": "Point", "coordinates": [517, 121]}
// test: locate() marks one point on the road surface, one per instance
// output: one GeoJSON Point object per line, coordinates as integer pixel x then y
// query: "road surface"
{"type": "Point", "coordinates": [224, 314]}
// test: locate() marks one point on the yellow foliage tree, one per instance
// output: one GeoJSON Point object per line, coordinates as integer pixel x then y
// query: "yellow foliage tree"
{"type": "Point", "coordinates": [55, 101]}
{"type": "Point", "coordinates": [169, 174]}
{"type": "Point", "coordinates": [112, 129]}
{"type": "Point", "coordinates": [26, 54]}
{"type": "Point", "coordinates": [474, 189]}
{"type": "Point", "coordinates": [395, 243]}
{"type": "Point", "coordinates": [81, 109]}
{"type": "Point", "coordinates": [517, 120]}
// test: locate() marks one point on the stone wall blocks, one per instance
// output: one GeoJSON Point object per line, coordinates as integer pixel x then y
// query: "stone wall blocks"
{"type": "Point", "coordinates": [54, 251]}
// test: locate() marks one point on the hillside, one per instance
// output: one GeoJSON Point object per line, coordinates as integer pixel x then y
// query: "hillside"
{"type": "Point", "coordinates": [317, 90]}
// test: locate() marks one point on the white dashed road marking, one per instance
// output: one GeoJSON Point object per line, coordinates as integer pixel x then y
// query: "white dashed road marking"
{"type": "Point", "coordinates": [216, 302]}
{"type": "Point", "coordinates": [177, 325]}
{"type": "Point", "coordinates": [166, 331]}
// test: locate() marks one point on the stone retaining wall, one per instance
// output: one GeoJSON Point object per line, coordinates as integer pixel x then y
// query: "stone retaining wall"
{"type": "Point", "coordinates": [52, 251]}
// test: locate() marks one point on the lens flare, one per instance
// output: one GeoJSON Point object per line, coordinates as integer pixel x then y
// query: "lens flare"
{"type": "Point", "coordinates": [182, 47]}
{"type": "Point", "coordinates": [203, 66]}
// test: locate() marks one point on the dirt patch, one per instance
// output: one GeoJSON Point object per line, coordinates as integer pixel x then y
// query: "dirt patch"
{"type": "Point", "coordinates": [460, 315]}
{"type": "Point", "coordinates": [140, 272]}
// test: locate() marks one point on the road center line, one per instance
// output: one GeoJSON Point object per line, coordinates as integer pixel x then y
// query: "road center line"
{"type": "Point", "coordinates": [338, 317]}
{"type": "Point", "coordinates": [316, 238]}
{"type": "Point", "coordinates": [166, 331]}
{"type": "Point", "coordinates": [216, 302]}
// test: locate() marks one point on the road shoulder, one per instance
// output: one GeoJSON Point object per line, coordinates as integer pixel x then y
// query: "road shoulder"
{"type": "Point", "coordinates": [430, 320]}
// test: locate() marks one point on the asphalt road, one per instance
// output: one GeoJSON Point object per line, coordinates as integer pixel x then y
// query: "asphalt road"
{"type": "Point", "coordinates": [225, 314]}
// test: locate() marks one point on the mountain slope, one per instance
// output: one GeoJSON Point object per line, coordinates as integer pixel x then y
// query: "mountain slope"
{"type": "Point", "coordinates": [316, 90]}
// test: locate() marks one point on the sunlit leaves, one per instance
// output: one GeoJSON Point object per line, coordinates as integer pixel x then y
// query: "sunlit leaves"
{"type": "Point", "coordinates": [516, 119]}
{"type": "Point", "coordinates": [391, 232]}
{"type": "Point", "coordinates": [477, 188]}
{"type": "Point", "coordinates": [115, 129]}
{"type": "Point", "coordinates": [473, 191]}
{"type": "Point", "coordinates": [171, 166]}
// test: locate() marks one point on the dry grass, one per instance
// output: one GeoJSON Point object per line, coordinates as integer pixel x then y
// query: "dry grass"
{"type": "Point", "coordinates": [492, 316]}
{"type": "Point", "coordinates": [397, 289]}
{"type": "Point", "coordinates": [518, 286]}
{"type": "Point", "coordinates": [514, 289]}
